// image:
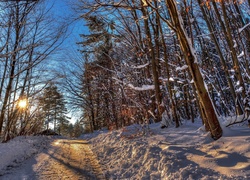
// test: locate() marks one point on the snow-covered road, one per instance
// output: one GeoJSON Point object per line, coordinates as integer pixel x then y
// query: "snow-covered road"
{"type": "Point", "coordinates": [64, 159]}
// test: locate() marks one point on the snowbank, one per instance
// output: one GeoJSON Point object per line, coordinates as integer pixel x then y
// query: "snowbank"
{"type": "Point", "coordinates": [186, 153]}
{"type": "Point", "coordinates": [13, 153]}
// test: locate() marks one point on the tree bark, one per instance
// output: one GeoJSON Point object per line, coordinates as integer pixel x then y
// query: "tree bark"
{"type": "Point", "coordinates": [222, 59]}
{"type": "Point", "coordinates": [191, 60]}
{"type": "Point", "coordinates": [228, 35]}
{"type": "Point", "coordinates": [153, 62]}
{"type": "Point", "coordinates": [172, 102]}
{"type": "Point", "coordinates": [12, 70]}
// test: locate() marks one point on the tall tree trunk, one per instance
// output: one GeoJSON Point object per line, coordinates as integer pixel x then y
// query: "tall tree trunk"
{"type": "Point", "coordinates": [7, 56]}
{"type": "Point", "coordinates": [222, 59]}
{"type": "Point", "coordinates": [191, 60]}
{"type": "Point", "coordinates": [139, 48]}
{"type": "Point", "coordinates": [228, 35]}
{"type": "Point", "coordinates": [12, 70]}
{"type": "Point", "coordinates": [153, 62]}
{"type": "Point", "coordinates": [156, 30]}
{"type": "Point", "coordinates": [172, 102]}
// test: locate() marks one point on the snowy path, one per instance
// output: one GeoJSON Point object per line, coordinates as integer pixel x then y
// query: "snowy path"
{"type": "Point", "coordinates": [64, 159]}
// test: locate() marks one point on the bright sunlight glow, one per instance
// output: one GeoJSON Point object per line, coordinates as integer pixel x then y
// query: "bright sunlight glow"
{"type": "Point", "coordinates": [22, 103]}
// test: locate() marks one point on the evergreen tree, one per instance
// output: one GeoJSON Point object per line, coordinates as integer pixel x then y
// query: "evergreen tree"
{"type": "Point", "coordinates": [53, 106]}
{"type": "Point", "coordinates": [98, 85]}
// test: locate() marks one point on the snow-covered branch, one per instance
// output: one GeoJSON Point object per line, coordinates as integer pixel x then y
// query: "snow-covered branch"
{"type": "Point", "coordinates": [241, 29]}
{"type": "Point", "coordinates": [140, 66]}
{"type": "Point", "coordinates": [142, 88]}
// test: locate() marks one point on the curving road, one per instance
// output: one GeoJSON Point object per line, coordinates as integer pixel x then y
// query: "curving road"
{"type": "Point", "coordinates": [64, 159]}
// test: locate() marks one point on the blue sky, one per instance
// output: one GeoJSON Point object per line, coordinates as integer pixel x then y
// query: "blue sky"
{"type": "Point", "coordinates": [63, 11]}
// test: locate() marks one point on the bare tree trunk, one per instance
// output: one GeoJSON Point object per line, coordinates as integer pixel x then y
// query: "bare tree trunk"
{"type": "Point", "coordinates": [12, 70]}
{"type": "Point", "coordinates": [228, 35]}
{"type": "Point", "coordinates": [172, 102]}
{"type": "Point", "coordinates": [191, 60]}
{"type": "Point", "coordinates": [222, 59]}
{"type": "Point", "coordinates": [7, 56]}
{"type": "Point", "coordinates": [153, 62]}
{"type": "Point", "coordinates": [90, 99]}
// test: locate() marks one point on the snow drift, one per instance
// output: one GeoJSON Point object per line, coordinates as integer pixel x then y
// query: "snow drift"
{"type": "Point", "coordinates": [187, 152]}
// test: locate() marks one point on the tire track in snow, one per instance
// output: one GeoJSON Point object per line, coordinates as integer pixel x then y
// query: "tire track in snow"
{"type": "Point", "coordinates": [64, 159]}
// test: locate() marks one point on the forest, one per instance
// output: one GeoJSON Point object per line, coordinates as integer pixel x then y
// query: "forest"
{"type": "Point", "coordinates": [139, 62]}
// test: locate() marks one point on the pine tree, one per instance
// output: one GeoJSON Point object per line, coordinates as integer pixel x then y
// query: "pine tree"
{"type": "Point", "coordinates": [54, 108]}
{"type": "Point", "coordinates": [98, 85]}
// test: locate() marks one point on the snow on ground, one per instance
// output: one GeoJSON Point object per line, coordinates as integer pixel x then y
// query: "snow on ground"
{"type": "Point", "coordinates": [13, 153]}
{"type": "Point", "coordinates": [187, 152]}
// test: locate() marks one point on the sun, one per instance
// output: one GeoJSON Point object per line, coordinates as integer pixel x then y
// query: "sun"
{"type": "Point", "coordinates": [23, 103]}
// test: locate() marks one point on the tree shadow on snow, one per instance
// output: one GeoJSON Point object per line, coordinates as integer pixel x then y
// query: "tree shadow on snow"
{"type": "Point", "coordinates": [64, 161]}
{"type": "Point", "coordinates": [187, 168]}
{"type": "Point", "coordinates": [232, 159]}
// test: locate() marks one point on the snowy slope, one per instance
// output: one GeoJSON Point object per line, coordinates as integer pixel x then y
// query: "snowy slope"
{"type": "Point", "coordinates": [13, 153]}
{"type": "Point", "coordinates": [173, 153]}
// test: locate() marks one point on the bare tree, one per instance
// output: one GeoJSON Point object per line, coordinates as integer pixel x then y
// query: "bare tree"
{"type": "Point", "coordinates": [32, 35]}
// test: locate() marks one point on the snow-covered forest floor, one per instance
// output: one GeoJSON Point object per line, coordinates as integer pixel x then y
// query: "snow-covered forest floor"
{"type": "Point", "coordinates": [187, 152]}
